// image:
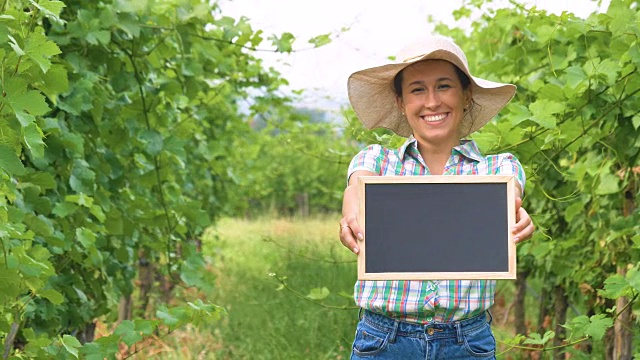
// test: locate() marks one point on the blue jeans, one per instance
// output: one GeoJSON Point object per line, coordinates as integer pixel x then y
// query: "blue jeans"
{"type": "Point", "coordinates": [381, 337]}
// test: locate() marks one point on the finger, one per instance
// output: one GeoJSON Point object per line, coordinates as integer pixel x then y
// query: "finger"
{"type": "Point", "coordinates": [522, 220]}
{"type": "Point", "coordinates": [348, 240]}
{"type": "Point", "coordinates": [518, 204]}
{"type": "Point", "coordinates": [525, 234]}
{"type": "Point", "coordinates": [523, 228]}
{"type": "Point", "coordinates": [356, 229]}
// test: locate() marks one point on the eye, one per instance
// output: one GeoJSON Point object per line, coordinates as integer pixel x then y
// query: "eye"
{"type": "Point", "coordinates": [416, 90]}
{"type": "Point", "coordinates": [444, 86]}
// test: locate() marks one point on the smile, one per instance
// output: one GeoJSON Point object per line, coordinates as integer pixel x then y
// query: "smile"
{"type": "Point", "coordinates": [433, 118]}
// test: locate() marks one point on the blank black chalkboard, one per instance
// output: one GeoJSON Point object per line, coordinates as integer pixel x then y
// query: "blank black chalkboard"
{"type": "Point", "coordinates": [437, 227]}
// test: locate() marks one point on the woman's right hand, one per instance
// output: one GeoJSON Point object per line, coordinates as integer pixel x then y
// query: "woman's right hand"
{"type": "Point", "coordinates": [350, 230]}
{"type": "Point", "coordinates": [350, 233]}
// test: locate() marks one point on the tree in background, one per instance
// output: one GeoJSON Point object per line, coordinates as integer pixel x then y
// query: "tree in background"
{"type": "Point", "coordinates": [292, 163]}
{"type": "Point", "coordinates": [118, 125]}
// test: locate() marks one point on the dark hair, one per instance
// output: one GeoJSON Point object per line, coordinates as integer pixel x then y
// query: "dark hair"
{"type": "Point", "coordinates": [397, 81]}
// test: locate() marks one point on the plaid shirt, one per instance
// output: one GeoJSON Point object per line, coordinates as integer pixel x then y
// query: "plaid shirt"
{"type": "Point", "coordinates": [430, 301]}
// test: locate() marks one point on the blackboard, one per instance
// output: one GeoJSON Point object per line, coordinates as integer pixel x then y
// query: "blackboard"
{"type": "Point", "coordinates": [437, 227]}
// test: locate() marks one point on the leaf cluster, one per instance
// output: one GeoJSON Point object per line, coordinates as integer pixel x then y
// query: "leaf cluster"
{"type": "Point", "coordinates": [117, 128]}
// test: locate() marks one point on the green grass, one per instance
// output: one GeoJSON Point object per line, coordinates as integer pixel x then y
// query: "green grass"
{"type": "Point", "coordinates": [266, 320]}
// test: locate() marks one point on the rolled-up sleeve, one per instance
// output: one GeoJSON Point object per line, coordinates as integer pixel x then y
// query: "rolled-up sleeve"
{"type": "Point", "coordinates": [509, 165]}
{"type": "Point", "coordinates": [369, 159]}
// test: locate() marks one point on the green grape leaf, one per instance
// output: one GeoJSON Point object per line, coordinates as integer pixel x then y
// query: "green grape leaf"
{"type": "Point", "coordinates": [167, 318]}
{"type": "Point", "coordinates": [544, 111]}
{"type": "Point", "coordinates": [146, 327]}
{"type": "Point", "coordinates": [204, 313]}
{"type": "Point", "coordinates": [10, 162]}
{"type": "Point", "coordinates": [51, 8]}
{"type": "Point", "coordinates": [98, 37]}
{"type": "Point", "coordinates": [635, 120]}
{"type": "Point", "coordinates": [595, 326]}
{"type": "Point", "coordinates": [318, 293]}
{"type": "Point", "coordinates": [25, 104]}
{"type": "Point", "coordinates": [56, 81]}
{"type": "Point", "coordinates": [64, 209]}
{"type": "Point", "coordinates": [633, 278]}
{"type": "Point", "coordinates": [536, 339]}
{"type": "Point", "coordinates": [152, 140]}
{"type": "Point", "coordinates": [283, 43]}
{"type": "Point", "coordinates": [518, 113]}
{"type": "Point", "coordinates": [54, 296]}
{"type": "Point", "coordinates": [615, 286]}
{"type": "Point", "coordinates": [14, 45]}
{"type": "Point", "coordinates": [129, 334]}
{"type": "Point", "coordinates": [40, 49]}
{"type": "Point", "coordinates": [33, 138]}
{"type": "Point", "coordinates": [71, 344]}
{"type": "Point", "coordinates": [42, 179]}
{"type": "Point", "coordinates": [320, 40]}
{"type": "Point", "coordinates": [574, 210]}
{"type": "Point", "coordinates": [80, 199]}
{"type": "Point", "coordinates": [103, 348]}
{"type": "Point", "coordinates": [609, 184]}
{"type": "Point", "coordinates": [98, 213]}
{"type": "Point", "coordinates": [574, 76]}
{"type": "Point", "coordinates": [86, 237]}
{"type": "Point", "coordinates": [9, 136]}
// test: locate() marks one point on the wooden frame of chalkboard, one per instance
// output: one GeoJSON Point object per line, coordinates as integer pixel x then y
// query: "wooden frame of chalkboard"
{"type": "Point", "coordinates": [437, 227]}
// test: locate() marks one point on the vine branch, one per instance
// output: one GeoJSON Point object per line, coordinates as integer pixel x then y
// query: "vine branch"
{"type": "Point", "coordinates": [156, 163]}
{"type": "Point", "coordinates": [284, 285]}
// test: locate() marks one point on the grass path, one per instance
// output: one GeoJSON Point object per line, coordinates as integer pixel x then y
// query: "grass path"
{"type": "Point", "coordinates": [267, 320]}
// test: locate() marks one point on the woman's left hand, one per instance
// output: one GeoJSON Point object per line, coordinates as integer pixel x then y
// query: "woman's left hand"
{"type": "Point", "coordinates": [524, 227]}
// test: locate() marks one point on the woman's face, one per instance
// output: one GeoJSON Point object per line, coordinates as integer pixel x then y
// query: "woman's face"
{"type": "Point", "coordinates": [433, 101]}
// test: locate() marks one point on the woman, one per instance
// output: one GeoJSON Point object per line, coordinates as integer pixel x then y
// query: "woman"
{"type": "Point", "coordinates": [430, 97]}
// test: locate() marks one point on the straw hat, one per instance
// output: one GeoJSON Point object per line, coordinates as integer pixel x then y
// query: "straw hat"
{"type": "Point", "coordinates": [373, 98]}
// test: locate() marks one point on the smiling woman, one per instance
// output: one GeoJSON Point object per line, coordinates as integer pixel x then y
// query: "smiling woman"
{"type": "Point", "coordinates": [429, 96]}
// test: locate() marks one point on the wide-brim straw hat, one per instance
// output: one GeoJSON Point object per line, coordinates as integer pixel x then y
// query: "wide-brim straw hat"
{"type": "Point", "coordinates": [373, 98]}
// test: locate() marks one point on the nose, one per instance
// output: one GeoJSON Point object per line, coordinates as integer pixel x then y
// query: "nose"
{"type": "Point", "coordinates": [432, 100]}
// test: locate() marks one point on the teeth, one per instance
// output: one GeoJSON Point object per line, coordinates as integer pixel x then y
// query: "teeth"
{"type": "Point", "coordinates": [434, 117]}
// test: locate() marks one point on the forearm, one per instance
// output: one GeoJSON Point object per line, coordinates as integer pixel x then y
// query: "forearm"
{"type": "Point", "coordinates": [350, 199]}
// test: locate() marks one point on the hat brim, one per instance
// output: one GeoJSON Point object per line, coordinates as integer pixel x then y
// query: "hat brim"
{"type": "Point", "coordinates": [373, 98]}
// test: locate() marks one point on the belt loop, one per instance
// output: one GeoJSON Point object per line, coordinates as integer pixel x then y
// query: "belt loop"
{"type": "Point", "coordinates": [459, 332]}
{"type": "Point", "coordinates": [360, 314]}
{"type": "Point", "coordinates": [490, 317]}
{"type": "Point", "coordinates": [394, 331]}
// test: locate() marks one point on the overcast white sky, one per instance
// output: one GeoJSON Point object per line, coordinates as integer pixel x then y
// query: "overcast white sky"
{"type": "Point", "coordinates": [378, 29]}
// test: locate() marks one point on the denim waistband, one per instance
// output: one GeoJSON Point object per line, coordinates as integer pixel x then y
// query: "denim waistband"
{"type": "Point", "coordinates": [434, 330]}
